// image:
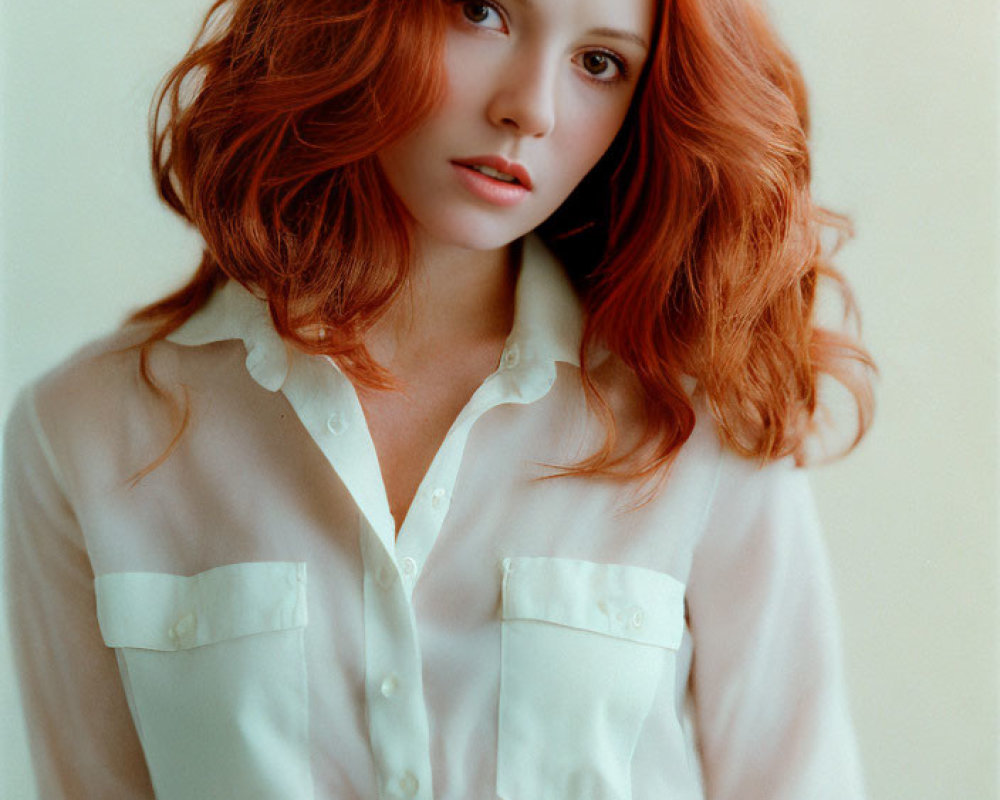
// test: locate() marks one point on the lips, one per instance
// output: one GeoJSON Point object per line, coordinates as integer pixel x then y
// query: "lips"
{"type": "Point", "coordinates": [500, 164]}
{"type": "Point", "coordinates": [494, 191]}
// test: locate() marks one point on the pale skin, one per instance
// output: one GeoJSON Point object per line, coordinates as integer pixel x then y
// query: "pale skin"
{"type": "Point", "coordinates": [442, 357]}
{"type": "Point", "coordinates": [545, 83]}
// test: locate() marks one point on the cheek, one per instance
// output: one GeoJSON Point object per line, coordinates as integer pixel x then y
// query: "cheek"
{"type": "Point", "coordinates": [401, 166]}
{"type": "Point", "coordinates": [469, 68]}
{"type": "Point", "coordinates": [585, 142]}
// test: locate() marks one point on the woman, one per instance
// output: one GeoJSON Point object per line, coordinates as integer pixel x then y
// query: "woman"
{"type": "Point", "coordinates": [463, 467]}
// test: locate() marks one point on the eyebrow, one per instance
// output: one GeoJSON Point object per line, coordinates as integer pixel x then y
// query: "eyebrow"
{"type": "Point", "coordinates": [611, 33]}
{"type": "Point", "coordinates": [615, 33]}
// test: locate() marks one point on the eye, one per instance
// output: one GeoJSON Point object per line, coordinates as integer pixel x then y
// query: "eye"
{"type": "Point", "coordinates": [479, 13]}
{"type": "Point", "coordinates": [604, 67]}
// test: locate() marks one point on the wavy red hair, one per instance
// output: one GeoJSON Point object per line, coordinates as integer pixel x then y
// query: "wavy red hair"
{"type": "Point", "coordinates": [694, 243]}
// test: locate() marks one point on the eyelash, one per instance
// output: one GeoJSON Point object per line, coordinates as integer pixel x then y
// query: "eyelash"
{"type": "Point", "coordinates": [619, 62]}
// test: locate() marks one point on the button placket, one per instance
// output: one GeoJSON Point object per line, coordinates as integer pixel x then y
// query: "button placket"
{"type": "Point", "coordinates": [390, 684]}
{"type": "Point", "coordinates": [409, 784]}
{"type": "Point", "coordinates": [385, 576]}
{"type": "Point", "coordinates": [394, 686]}
{"type": "Point", "coordinates": [336, 423]}
{"type": "Point", "coordinates": [439, 498]}
{"type": "Point", "coordinates": [410, 569]}
{"type": "Point", "coordinates": [397, 718]}
{"type": "Point", "coordinates": [511, 356]}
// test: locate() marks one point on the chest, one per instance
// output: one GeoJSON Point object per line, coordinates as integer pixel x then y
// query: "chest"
{"type": "Point", "coordinates": [407, 427]}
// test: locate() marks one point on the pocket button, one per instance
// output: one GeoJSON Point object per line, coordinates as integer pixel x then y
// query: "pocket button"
{"type": "Point", "coordinates": [637, 618]}
{"type": "Point", "coordinates": [183, 630]}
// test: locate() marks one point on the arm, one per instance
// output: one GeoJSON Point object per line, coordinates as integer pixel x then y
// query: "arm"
{"type": "Point", "coordinates": [80, 733]}
{"type": "Point", "coordinates": [771, 707]}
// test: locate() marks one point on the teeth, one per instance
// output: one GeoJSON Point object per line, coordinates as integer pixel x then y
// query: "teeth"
{"type": "Point", "coordinates": [493, 173]}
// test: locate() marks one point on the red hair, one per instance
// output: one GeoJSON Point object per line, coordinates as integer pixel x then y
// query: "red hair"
{"type": "Point", "coordinates": [694, 243]}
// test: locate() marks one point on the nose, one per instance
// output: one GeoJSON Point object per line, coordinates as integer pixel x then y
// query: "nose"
{"type": "Point", "coordinates": [524, 100]}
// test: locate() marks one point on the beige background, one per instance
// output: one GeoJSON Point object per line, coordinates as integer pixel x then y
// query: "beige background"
{"type": "Point", "coordinates": [905, 109]}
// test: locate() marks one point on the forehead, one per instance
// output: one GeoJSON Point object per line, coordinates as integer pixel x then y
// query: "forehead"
{"type": "Point", "coordinates": [630, 15]}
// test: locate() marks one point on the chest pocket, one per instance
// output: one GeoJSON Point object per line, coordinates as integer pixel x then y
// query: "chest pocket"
{"type": "Point", "coordinates": [215, 672]}
{"type": "Point", "coordinates": [584, 647]}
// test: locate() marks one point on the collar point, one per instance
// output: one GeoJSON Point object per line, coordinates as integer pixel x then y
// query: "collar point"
{"type": "Point", "coordinates": [267, 368]}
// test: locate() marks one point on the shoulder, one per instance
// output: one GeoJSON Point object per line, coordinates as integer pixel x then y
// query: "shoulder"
{"type": "Point", "coordinates": [107, 374]}
{"type": "Point", "coordinates": [758, 506]}
{"type": "Point", "coordinates": [95, 412]}
{"type": "Point", "coordinates": [91, 362]}
{"type": "Point", "coordinates": [62, 389]}
{"type": "Point", "coordinates": [735, 475]}
{"type": "Point", "coordinates": [67, 397]}
{"type": "Point", "coordinates": [100, 376]}
{"type": "Point", "coordinates": [748, 496]}
{"type": "Point", "coordinates": [736, 472]}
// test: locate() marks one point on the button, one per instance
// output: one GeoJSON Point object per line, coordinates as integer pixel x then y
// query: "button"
{"type": "Point", "coordinates": [409, 567]}
{"type": "Point", "coordinates": [336, 423]}
{"type": "Point", "coordinates": [637, 618]}
{"type": "Point", "coordinates": [183, 629]}
{"type": "Point", "coordinates": [511, 356]}
{"type": "Point", "coordinates": [438, 497]}
{"type": "Point", "coordinates": [389, 685]}
{"type": "Point", "coordinates": [409, 784]}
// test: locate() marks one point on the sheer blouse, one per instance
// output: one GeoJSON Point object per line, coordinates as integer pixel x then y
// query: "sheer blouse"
{"type": "Point", "coordinates": [244, 623]}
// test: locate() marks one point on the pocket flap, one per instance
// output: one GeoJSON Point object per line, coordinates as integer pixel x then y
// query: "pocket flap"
{"type": "Point", "coordinates": [162, 611]}
{"type": "Point", "coordinates": [614, 599]}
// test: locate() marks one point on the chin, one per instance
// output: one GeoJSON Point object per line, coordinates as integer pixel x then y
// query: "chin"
{"type": "Point", "coordinates": [476, 234]}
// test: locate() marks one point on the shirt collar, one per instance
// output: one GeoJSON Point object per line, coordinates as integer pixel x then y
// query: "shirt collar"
{"type": "Point", "coordinates": [548, 320]}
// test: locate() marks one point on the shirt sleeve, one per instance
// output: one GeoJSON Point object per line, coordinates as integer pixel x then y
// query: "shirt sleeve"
{"type": "Point", "coordinates": [82, 740]}
{"type": "Point", "coordinates": [770, 702]}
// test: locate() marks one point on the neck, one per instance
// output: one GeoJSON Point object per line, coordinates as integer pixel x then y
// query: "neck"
{"type": "Point", "coordinates": [455, 300]}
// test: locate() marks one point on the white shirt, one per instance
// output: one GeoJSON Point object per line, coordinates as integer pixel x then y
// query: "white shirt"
{"type": "Point", "coordinates": [243, 623]}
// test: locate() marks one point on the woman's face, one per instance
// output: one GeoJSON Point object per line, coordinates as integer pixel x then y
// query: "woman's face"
{"type": "Point", "coordinates": [540, 85]}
